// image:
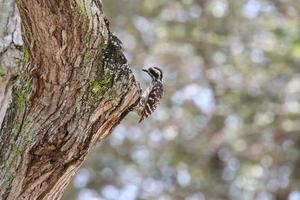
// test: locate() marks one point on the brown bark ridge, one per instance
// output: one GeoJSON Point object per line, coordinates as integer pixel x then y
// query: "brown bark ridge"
{"type": "Point", "coordinates": [74, 87]}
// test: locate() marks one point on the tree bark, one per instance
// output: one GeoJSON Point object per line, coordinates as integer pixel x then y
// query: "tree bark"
{"type": "Point", "coordinates": [73, 88]}
{"type": "Point", "coordinates": [10, 53]}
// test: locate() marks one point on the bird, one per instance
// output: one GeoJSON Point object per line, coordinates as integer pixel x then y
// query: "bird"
{"type": "Point", "coordinates": [151, 97]}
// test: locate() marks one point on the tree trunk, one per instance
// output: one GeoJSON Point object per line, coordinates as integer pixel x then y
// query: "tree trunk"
{"type": "Point", "coordinates": [73, 88]}
{"type": "Point", "coordinates": [10, 53]}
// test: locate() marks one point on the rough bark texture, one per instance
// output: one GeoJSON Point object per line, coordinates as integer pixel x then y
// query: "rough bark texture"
{"type": "Point", "coordinates": [10, 52]}
{"type": "Point", "coordinates": [74, 87]}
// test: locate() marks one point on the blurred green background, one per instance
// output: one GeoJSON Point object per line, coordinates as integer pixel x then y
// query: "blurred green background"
{"type": "Point", "coordinates": [229, 123]}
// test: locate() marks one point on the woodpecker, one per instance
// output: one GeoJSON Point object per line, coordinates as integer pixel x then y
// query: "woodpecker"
{"type": "Point", "coordinates": [152, 95]}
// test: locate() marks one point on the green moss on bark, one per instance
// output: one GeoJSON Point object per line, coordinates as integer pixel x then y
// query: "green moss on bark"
{"type": "Point", "coordinates": [98, 89]}
{"type": "Point", "coordinates": [80, 8]}
{"type": "Point", "coordinates": [2, 72]}
{"type": "Point", "coordinates": [23, 89]}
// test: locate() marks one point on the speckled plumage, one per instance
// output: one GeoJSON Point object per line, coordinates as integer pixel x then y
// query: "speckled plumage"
{"type": "Point", "coordinates": [152, 96]}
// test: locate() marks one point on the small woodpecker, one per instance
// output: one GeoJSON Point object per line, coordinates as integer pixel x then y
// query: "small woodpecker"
{"type": "Point", "coordinates": [150, 99]}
